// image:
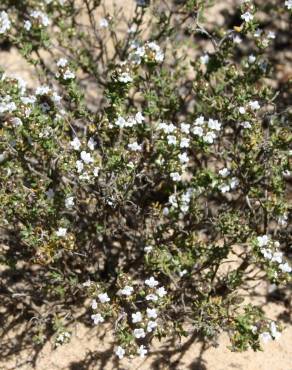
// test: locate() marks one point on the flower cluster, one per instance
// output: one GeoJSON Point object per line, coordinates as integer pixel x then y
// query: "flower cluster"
{"type": "Point", "coordinates": [130, 121]}
{"type": "Point", "coordinates": [86, 164]}
{"type": "Point", "coordinates": [149, 52]}
{"type": "Point", "coordinates": [140, 323]}
{"type": "Point", "coordinates": [227, 184]}
{"type": "Point", "coordinates": [272, 333]}
{"type": "Point", "coordinates": [64, 71]}
{"type": "Point", "coordinates": [288, 4]}
{"type": "Point", "coordinates": [62, 338]}
{"type": "Point", "coordinates": [207, 130]}
{"type": "Point", "coordinates": [39, 18]}
{"type": "Point", "coordinates": [4, 22]}
{"type": "Point", "coordinates": [180, 202]}
{"type": "Point", "coordinates": [269, 249]}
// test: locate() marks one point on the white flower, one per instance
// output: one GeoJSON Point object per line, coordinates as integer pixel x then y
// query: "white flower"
{"type": "Point", "coordinates": [167, 128]}
{"type": "Point", "coordinates": [277, 257]}
{"type": "Point", "coordinates": [161, 292]}
{"type": "Point", "coordinates": [97, 318]}
{"type": "Point", "coordinates": [151, 297]}
{"type": "Point", "coordinates": [282, 220]}
{"type": "Point", "coordinates": [165, 211]}
{"type": "Point", "coordinates": [27, 25]}
{"type": "Point", "coordinates": [204, 59]}
{"type": "Point", "coordinates": [42, 90]}
{"type": "Point", "coordinates": [132, 29]}
{"type": "Point", "coordinates": [267, 253]}
{"type": "Point", "coordinates": [258, 33]}
{"type": "Point", "coordinates": [286, 173]}
{"type": "Point", "coordinates": [265, 337]}
{"type": "Point", "coordinates": [68, 75]}
{"type": "Point", "coordinates": [224, 172]}
{"type": "Point", "coordinates": [84, 176]}
{"type": "Point", "coordinates": [62, 62]}
{"type": "Point", "coordinates": [142, 351]}
{"type": "Point", "coordinates": [198, 131]}
{"type": "Point", "coordinates": [185, 128]}
{"type": "Point", "coordinates": [28, 99]}
{"type": "Point", "coordinates": [246, 124]}
{"type": "Point", "coordinates": [171, 139]}
{"type": "Point", "coordinates": [175, 176]}
{"type": "Point", "coordinates": [136, 317]}
{"type": "Point", "coordinates": [183, 273]}
{"type": "Point", "coordinates": [234, 183]}
{"type": "Point", "coordinates": [87, 283]}
{"type": "Point", "coordinates": [96, 171]}
{"type": "Point", "coordinates": [5, 23]}
{"type": "Point", "coordinates": [224, 188]}
{"type": "Point", "coordinates": [120, 352]}
{"type": "Point", "coordinates": [247, 17]}
{"type": "Point", "coordinates": [56, 98]}
{"type": "Point", "coordinates": [209, 137]}
{"type": "Point", "coordinates": [263, 240]}
{"type": "Point", "coordinates": [86, 157]}
{"type": "Point", "coordinates": [254, 105]}
{"type": "Point", "coordinates": [103, 23]}
{"type": "Point", "coordinates": [285, 267]}
{"type": "Point", "coordinates": [251, 59]}
{"type": "Point", "coordinates": [139, 117]}
{"type": "Point", "coordinates": [79, 166]}
{"type": "Point", "coordinates": [151, 326]}
{"type": "Point", "coordinates": [120, 122]}
{"type": "Point", "coordinates": [159, 56]}
{"type": "Point", "coordinates": [69, 202]}
{"type": "Point", "coordinates": [16, 122]}
{"type": "Point", "coordinates": [172, 200]}
{"type": "Point", "coordinates": [199, 121]}
{"type": "Point", "coordinates": [139, 333]}
{"type": "Point", "coordinates": [131, 122]}
{"type": "Point", "coordinates": [151, 282]}
{"type": "Point", "coordinates": [183, 158]}
{"type": "Point", "coordinates": [214, 125]}
{"type": "Point", "coordinates": [41, 17]}
{"type": "Point", "coordinates": [125, 77]}
{"type": "Point", "coordinates": [184, 143]}
{"type": "Point", "coordinates": [61, 232]}
{"type": "Point", "coordinates": [151, 313]}
{"type": "Point", "coordinates": [148, 248]}
{"type": "Point", "coordinates": [271, 35]}
{"type": "Point", "coordinates": [241, 110]}
{"type": "Point", "coordinates": [94, 304]}
{"type": "Point", "coordinates": [91, 143]}
{"type": "Point", "coordinates": [127, 290]}
{"type": "Point", "coordinates": [274, 331]}
{"type": "Point", "coordinates": [103, 297]}
{"type": "Point", "coordinates": [237, 39]}
{"type": "Point", "coordinates": [135, 147]}
{"type": "Point", "coordinates": [288, 4]}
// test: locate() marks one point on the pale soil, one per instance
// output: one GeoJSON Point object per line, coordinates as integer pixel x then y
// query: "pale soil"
{"type": "Point", "coordinates": [92, 348]}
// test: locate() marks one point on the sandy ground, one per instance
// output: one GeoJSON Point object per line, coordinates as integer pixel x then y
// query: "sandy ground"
{"type": "Point", "coordinates": [92, 348]}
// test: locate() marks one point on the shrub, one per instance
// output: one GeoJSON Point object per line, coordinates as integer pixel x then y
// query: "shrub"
{"type": "Point", "coordinates": [153, 153]}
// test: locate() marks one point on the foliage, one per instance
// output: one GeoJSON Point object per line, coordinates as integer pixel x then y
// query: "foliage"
{"type": "Point", "coordinates": [142, 165]}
